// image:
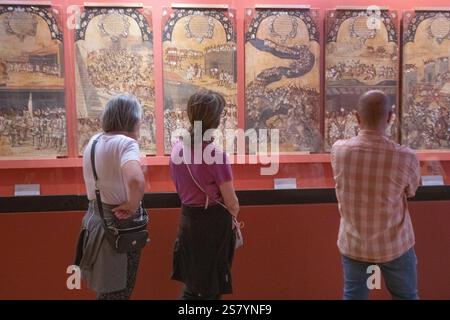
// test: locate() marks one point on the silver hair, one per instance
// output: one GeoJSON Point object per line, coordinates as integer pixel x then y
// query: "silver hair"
{"type": "Point", "coordinates": [122, 113]}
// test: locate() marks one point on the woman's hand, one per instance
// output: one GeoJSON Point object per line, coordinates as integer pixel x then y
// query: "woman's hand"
{"type": "Point", "coordinates": [234, 211]}
{"type": "Point", "coordinates": [229, 197]}
{"type": "Point", "coordinates": [135, 183]}
{"type": "Point", "coordinates": [125, 210]}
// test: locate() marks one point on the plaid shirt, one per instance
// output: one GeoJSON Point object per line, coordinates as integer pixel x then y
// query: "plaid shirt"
{"type": "Point", "coordinates": [374, 176]}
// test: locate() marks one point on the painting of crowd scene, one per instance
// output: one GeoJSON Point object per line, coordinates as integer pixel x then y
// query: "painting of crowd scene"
{"type": "Point", "coordinates": [114, 55]}
{"type": "Point", "coordinates": [426, 80]}
{"type": "Point", "coordinates": [361, 55]}
{"type": "Point", "coordinates": [282, 54]}
{"type": "Point", "coordinates": [199, 52]}
{"type": "Point", "coordinates": [32, 108]}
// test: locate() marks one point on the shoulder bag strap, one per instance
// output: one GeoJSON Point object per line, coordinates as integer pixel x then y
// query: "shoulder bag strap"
{"type": "Point", "coordinates": [236, 223]}
{"type": "Point", "coordinates": [94, 171]}
{"type": "Point", "coordinates": [200, 187]}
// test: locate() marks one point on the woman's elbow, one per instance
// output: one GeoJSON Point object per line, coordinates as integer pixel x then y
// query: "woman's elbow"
{"type": "Point", "coordinates": [137, 184]}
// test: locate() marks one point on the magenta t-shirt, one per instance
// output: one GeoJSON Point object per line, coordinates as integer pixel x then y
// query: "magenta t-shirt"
{"type": "Point", "coordinates": [209, 176]}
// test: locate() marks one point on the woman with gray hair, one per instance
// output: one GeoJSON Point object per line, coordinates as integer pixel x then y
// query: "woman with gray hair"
{"type": "Point", "coordinates": [120, 179]}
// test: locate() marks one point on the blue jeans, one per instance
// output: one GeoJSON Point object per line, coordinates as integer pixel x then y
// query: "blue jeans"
{"type": "Point", "coordinates": [400, 277]}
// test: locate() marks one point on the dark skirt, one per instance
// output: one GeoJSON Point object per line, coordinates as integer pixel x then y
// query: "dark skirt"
{"type": "Point", "coordinates": [204, 250]}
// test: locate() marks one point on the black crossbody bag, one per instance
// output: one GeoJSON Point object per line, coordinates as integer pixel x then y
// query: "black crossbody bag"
{"type": "Point", "coordinates": [123, 235]}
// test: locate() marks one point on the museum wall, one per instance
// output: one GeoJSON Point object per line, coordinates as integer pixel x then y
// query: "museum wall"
{"type": "Point", "coordinates": [290, 251]}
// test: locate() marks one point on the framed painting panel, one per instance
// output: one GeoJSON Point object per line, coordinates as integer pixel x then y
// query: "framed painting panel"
{"type": "Point", "coordinates": [199, 53]}
{"type": "Point", "coordinates": [32, 101]}
{"type": "Point", "coordinates": [282, 76]}
{"type": "Point", "coordinates": [114, 55]}
{"type": "Point", "coordinates": [362, 54]}
{"type": "Point", "coordinates": [426, 80]}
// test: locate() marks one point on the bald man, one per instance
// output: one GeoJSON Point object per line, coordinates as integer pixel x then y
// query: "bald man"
{"type": "Point", "coordinates": [374, 176]}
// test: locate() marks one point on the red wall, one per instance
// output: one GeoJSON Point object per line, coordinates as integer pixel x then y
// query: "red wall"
{"type": "Point", "coordinates": [289, 252]}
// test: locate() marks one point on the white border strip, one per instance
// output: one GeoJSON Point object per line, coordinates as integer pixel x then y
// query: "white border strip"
{"type": "Point", "coordinates": [432, 9]}
{"type": "Point", "coordinates": [281, 6]}
{"type": "Point", "coordinates": [27, 3]}
{"type": "Point", "coordinates": [198, 6]}
{"type": "Point", "coordinates": [359, 8]}
{"type": "Point", "coordinates": [112, 5]}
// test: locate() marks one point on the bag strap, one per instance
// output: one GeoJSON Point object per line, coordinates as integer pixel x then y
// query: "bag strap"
{"type": "Point", "coordinates": [94, 171]}
{"type": "Point", "coordinates": [200, 187]}
{"type": "Point", "coordinates": [236, 224]}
